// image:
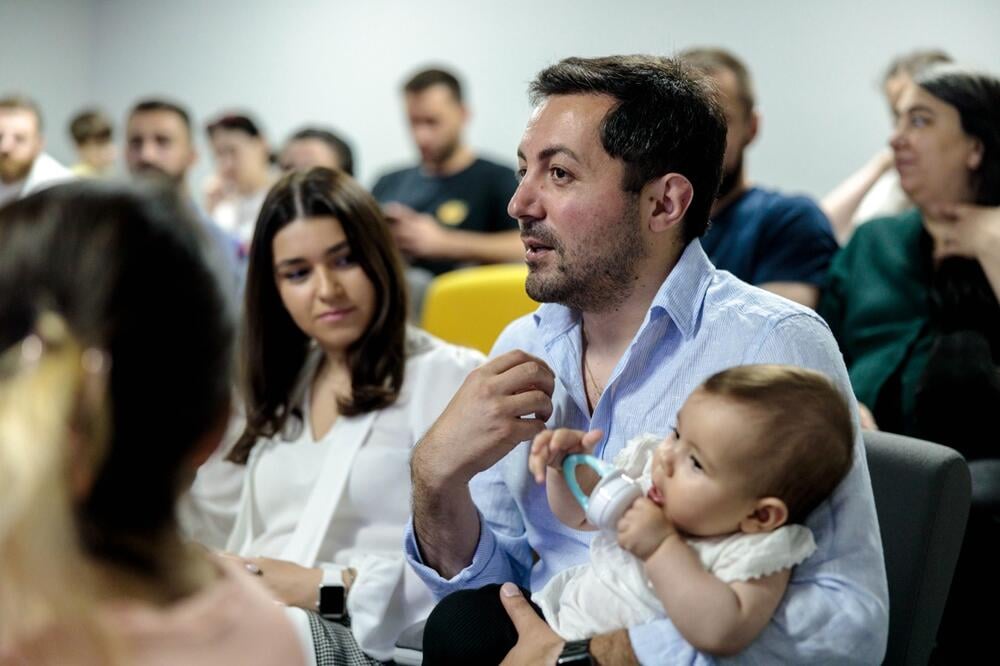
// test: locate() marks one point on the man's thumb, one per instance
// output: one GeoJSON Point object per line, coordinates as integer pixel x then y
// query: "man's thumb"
{"type": "Point", "coordinates": [517, 607]}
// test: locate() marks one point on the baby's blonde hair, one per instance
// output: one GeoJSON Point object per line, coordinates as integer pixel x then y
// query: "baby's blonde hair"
{"type": "Point", "coordinates": [804, 431]}
{"type": "Point", "coordinates": [53, 421]}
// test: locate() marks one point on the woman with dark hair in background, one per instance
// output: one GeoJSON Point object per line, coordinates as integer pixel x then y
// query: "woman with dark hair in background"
{"type": "Point", "coordinates": [873, 190]}
{"type": "Point", "coordinates": [913, 299]}
{"type": "Point", "coordinates": [337, 390]}
{"type": "Point", "coordinates": [244, 173]}
{"type": "Point", "coordinates": [114, 385]}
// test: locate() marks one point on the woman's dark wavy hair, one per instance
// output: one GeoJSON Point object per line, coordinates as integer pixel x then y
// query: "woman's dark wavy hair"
{"type": "Point", "coordinates": [125, 267]}
{"type": "Point", "coordinates": [274, 349]}
{"type": "Point", "coordinates": [961, 296]}
{"type": "Point", "coordinates": [976, 97]}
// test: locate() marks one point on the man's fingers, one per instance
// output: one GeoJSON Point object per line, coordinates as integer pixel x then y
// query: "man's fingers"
{"type": "Point", "coordinates": [534, 402]}
{"type": "Point", "coordinates": [524, 429]}
{"type": "Point", "coordinates": [529, 372]}
{"type": "Point", "coordinates": [518, 609]}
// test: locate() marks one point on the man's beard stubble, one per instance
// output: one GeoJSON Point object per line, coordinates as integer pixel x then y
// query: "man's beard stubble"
{"type": "Point", "coordinates": [153, 173]}
{"type": "Point", "coordinates": [12, 171]}
{"type": "Point", "coordinates": [599, 277]}
{"type": "Point", "coordinates": [730, 180]}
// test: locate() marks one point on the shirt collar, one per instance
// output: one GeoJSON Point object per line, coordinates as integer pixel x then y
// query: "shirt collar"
{"type": "Point", "coordinates": [680, 297]}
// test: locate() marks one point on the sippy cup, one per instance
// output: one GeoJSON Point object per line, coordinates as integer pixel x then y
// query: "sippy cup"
{"type": "Point", "coordinates": [612, 495]}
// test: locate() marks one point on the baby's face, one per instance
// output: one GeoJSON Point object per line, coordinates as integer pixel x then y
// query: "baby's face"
{"type": "Point", "coordinates": [700, 471]}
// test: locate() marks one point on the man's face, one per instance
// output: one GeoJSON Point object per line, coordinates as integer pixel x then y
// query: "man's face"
{"type": "Point", "coordinates": [581, 232]}
{"type": "Point", "coordinates": [436, 122]}
{"type": "Point", "coordinates": [158, 145]}
{"type": "Point", "coordinates": [20, 143]}
{"type": "Point", "coordinates": [302, 154]}
{"type": "Point", "coordinates": [741, 124]}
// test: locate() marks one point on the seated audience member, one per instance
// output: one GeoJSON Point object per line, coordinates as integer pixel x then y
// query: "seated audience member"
{"type": "Point", "coordinates": [110, 396]}
{"type": "Point", "coordinates": [620, 162]}
{"type": "Point", "coordinates": [159, 147]}
{"type": "Point", "coordinates": [24, 167]}
{"type": "Point", "coordinates": [316, 147]}
{"type": "Point", "coordinates": [873, 190]}
{"type": "Point", "coordinates": [337, 391]}
{"type": "Point", "coordinates": [913, 299]}
{"type": "Point", "coordinates": [451, 208]}
{"type": "Point", "coordinates": [243, 173]}
{"type": "Point", "coordinates": [711, 543]}
{"type": "Point", "coordinates": [774, 241]}
{"type": "Point", "coordinates": [92, 136]}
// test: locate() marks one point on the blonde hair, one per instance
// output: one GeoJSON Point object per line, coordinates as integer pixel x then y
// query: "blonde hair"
{"type": "Point", "coordinates": [53, 424]}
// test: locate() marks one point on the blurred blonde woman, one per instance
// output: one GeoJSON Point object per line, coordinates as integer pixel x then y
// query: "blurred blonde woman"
{"type": "Point", "coordinates": [114, 385]}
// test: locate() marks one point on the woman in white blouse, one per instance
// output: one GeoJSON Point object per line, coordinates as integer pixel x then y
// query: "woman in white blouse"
{"type": "Point", "coordinates": [337, 389]}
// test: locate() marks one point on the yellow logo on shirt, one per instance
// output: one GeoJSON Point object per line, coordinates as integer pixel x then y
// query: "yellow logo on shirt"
{"type": "Point", "coordinates": [452, 212]}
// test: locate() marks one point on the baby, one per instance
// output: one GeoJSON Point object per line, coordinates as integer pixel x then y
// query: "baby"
{"type": "Point", "coordinates": [712, 544]}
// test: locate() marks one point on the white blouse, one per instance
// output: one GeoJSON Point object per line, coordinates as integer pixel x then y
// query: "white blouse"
{"type": "Point", "coordinates": [364, 529]}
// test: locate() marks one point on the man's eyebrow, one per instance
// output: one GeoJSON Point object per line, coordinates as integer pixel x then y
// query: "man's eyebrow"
{"type": "Point", "coordinates": [549, 152]}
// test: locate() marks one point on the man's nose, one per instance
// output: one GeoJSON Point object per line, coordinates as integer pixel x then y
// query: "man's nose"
{"type": "Point", "coordinates": [148, 153]}
{"type": "Point", "coordinates": [525, 202]}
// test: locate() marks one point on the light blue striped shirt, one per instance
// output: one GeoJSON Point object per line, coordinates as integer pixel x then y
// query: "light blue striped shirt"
{"type": "Point", "coordinates": [701, 321]}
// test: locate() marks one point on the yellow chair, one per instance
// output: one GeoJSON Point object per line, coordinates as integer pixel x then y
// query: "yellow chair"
{"type": "Point", "coordinates": [470, 306]}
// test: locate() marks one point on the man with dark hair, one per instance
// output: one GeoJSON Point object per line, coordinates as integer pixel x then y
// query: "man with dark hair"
{"type": "Point", "coordinates": [316, 147]}
{"type": "Point", "coordinates": [619, 164]}
{"type": "Point", "coordinates": [92, 133]}
{"type": "Point", "coordinates": [780, 243]}
{"type": "Point", "coordinates": [451, 209]}
{"type": "Point", "coordinates": [24, 167]}
{"type": "Point", "coordinates": [159, 142]}
{"type": "Point", "coordinates": [159, 145]}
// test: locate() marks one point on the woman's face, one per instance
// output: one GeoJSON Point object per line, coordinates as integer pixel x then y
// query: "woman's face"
{"type": "Point", "coordinates": [321, 282]}
{"type": "Point", "coordinates": [935, 158]}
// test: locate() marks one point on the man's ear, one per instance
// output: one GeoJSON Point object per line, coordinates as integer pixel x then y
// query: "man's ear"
{"type": "Point", "coordinates": [769, 513]}
{"type": "Point", "coordinates": [753, 127]}
{"type": "Point", "coordinates": [670, 196]}
{"type": "Point", "coordinates": [975, 157]}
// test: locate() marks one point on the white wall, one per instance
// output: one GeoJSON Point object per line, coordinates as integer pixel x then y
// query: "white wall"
{"type": "Point", "coordinates": [816, 64]}
{"type": "Point", "coordinates": [46, 52]}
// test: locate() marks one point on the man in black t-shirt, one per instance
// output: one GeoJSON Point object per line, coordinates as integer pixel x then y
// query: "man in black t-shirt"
{"type": "Point", "coordinates": [451, 209]}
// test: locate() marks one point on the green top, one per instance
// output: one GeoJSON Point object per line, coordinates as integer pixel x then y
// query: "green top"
{"type": "Point", "coordinates": [877, 304]}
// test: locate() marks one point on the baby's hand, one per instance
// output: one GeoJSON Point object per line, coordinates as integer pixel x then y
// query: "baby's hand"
{"type": "Point", "coordinates": [643, 527]}
{"type": "Point", "coordinates": [552, 446]}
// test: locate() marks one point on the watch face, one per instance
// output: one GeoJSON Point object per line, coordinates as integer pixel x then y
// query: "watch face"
{"type": "Point", "coordinates": [331, 601]}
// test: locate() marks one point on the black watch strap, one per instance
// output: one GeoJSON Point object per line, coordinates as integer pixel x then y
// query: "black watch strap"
{"type": "Point", "coordinates": [575, 652]}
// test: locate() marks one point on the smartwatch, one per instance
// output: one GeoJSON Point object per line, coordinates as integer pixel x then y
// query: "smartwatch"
{"type": "Point", "coordinates": [332, 604]}
{"type": "Point", "coordinates": [575, 652]}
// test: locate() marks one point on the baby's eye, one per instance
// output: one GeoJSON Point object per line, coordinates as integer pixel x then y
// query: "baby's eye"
{"type": "Point", "coordinates": [696, 464]}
